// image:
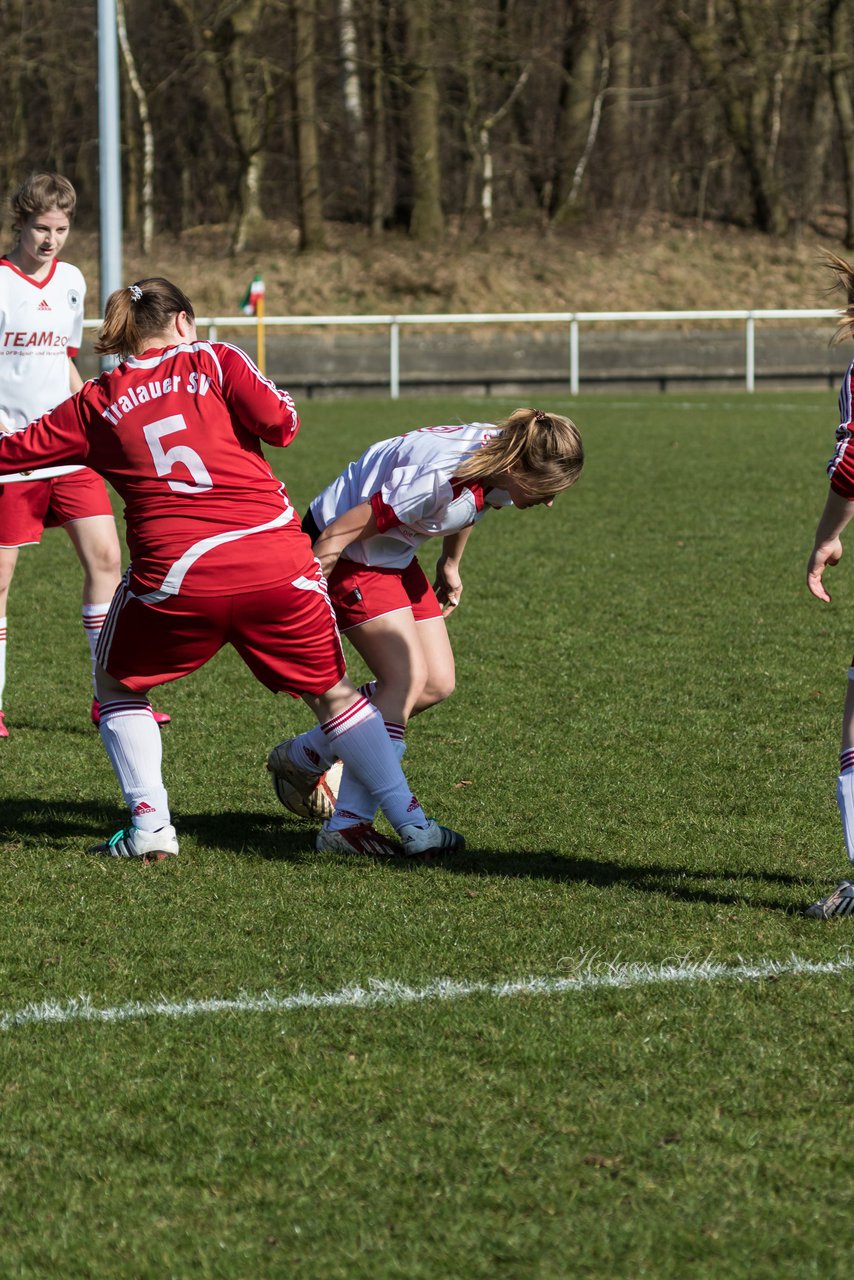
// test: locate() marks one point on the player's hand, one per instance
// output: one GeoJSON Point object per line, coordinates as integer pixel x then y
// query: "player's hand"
{"type": "Point", "coordinates": [825, 554]}
{"type": "Point", "coordinates": [448, 586]}
{"type": "Point", "coordinates": [5, 429]}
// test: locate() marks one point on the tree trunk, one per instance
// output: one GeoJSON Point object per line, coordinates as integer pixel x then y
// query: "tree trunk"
{"type": "Point", "coordinates": [579, 117]}
{"type": "Point", "coordinates": [485, 148]}
{"type": "Point", "coordinates": [377, 190]}
{"type": "Point", "coordinates": [840, 65]}
{"type": "Point", "coordinates": [16, 145]}
{"type": "Point", "coordinates": [617, 115]}
{"type": "Point", "coordinates": [247, 110]}
{"type": "Point", "coordinates": [146, 188]}
{"type": "Point", "coordinates": [426, 222]}
{"type": "Point", "coordinates": [352, 85]}
{"type": "Point", "coordinates": [308, 152]}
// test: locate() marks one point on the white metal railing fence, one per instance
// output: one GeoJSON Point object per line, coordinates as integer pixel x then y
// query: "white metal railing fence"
{"type": "Point", "coordinates": [573, 319]}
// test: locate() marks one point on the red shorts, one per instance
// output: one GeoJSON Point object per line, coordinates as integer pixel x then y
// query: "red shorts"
{"type": "Point", "coordinates": [286, 635]}
{"type": "Point", "coordinates": [28, 508]}
{"type": "Point", "coordinates": [360, 592]}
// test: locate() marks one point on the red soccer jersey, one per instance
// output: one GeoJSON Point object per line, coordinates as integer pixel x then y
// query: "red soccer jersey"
{"type": "Point", "coordinates": [177, 432]}
{"type": "Point", "coordinates": [841, 465]}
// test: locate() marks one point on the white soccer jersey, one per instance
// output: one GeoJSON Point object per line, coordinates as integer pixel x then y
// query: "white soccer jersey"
{"type": "Point", "coordinates": [410, 483]}
{"type": "Point", "coordinates": [41, 326]}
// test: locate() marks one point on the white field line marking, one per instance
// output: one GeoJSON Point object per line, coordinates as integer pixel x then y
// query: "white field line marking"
{"type": "Point", "coordinates": [378, 992]}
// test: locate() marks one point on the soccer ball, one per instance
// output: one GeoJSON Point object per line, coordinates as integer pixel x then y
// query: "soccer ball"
{"type": "Point", "coordinates": [324, 797]}
{"type": "Point", "coordinates": [320, 803]}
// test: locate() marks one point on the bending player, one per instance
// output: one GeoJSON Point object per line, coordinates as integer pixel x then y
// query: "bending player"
{"type": "Point", "coordinates": [217, 557]}
{"type": "Point", "coordinates": [41, 325]}
{"type": "Point", "coordinates": [366, 527]}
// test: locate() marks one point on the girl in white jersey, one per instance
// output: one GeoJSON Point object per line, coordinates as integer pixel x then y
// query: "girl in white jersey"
{"type": "Point", "coordinates": [41, 325]}
{"type": "Point", "coordinates": [217, 557]}
{"type": "Point", "coordinates": [366, 527]}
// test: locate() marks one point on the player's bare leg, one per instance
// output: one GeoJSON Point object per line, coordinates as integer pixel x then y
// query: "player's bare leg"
{"type": "Point", "coordinates": [97, 545]}
{"type": "Point", "coordinates": [96, 542]}
{"type": "Point", "coordinates": [8, 560]}
{"type": "Point", "coordinates": [413, 662]}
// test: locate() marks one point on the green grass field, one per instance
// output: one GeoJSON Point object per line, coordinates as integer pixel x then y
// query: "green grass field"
{"type": "Point", "coordinates": [641, 751]}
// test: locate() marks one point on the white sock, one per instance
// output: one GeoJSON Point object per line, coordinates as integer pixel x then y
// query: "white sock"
{"type": "Point", "coordinates": [355, 802]}
{"type": "Point", "coordinates": [132, 740]}
{"type": "Point", "coordinates": [2, 659]}
{"type": "Point", "coordinates": [94, 617]}
{"type": "Point", "coordinates": [358, 735]}
{"type": "Point", "coordinates": [311, 750]}
{"type": "Point", "coordinates": [845, 800]}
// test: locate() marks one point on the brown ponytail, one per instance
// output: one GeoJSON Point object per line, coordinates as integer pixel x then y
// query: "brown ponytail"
{"type": "Point", "coordinates": [139, 313]}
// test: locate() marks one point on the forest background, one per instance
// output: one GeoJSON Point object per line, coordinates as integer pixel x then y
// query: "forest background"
{"type": "Point", "coordinates": [452, 155]}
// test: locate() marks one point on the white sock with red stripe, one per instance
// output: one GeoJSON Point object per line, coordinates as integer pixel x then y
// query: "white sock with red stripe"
{"type": "Point", "coordinates": [312, 750]}
{"type": "Point", "coordinates": [2, 659]}
{"type": "Point", "coordinates": [358, 736]}
{"type": "Point", "coordinates": [355, 802]}
{"type": "Point", "coordinates": [132, 740]}
{"type": "Point", "coordinates": [845, 798]}
{"type": "Point", "coordinates": [94, 617]}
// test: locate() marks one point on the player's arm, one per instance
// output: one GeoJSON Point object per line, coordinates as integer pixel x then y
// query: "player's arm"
{"type": "Point", "coordinates": [838, 511]}
{"type": "Point", "coordinates": [354, 525]}
{"type": "Point", "coordinates": [56, 438]}
{"type": "Point", "coordinates": [74, 380]}
{"type": "Point", "coordinates": [449, 585]}
{"type": "Point", "coordinates": [261, 406]}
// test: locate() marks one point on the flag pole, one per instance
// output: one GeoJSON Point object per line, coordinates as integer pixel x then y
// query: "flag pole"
{"type": "Point", "coordinates": [259, 313]}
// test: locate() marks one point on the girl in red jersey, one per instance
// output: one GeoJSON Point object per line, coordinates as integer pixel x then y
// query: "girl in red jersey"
{"type": "Point", "coordinates": [366, 526]}
{"type": "Point", "coordinates": [827, 551]}
{"type": "Point", "coordinates": [217, 557]}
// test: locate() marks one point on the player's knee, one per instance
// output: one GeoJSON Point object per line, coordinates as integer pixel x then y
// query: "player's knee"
{"type": "Point", "coordinates": [105, 560]}
{"type": "Point", "coordinates": [439, 687]}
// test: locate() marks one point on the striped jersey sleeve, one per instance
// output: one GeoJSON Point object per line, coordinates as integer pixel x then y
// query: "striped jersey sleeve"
{"type": "Point", "coordinates": [841, 466]}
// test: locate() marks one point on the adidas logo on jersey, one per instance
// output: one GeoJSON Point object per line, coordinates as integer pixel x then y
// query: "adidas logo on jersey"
{"type": "Point", "coordinates": [44, 306]}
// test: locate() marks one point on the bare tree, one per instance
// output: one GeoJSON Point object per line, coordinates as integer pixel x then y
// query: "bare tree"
{"type": "Point", "coordinates": [350, 75]}
{"type": "Point", "coordinates": [427, 221]}
{"type": "Point", "coordinates": [739, 66]}
{"type": "Point", "coordinates": [841, 66]}
{"type": "Point", "coordinates": [377, 163]}
{"type": "Point", "coordinates": [585, 80]}
{"type": "Point", "coordinates": [146, 200]}
{"type": "Point", "coordinates": [305, 111]}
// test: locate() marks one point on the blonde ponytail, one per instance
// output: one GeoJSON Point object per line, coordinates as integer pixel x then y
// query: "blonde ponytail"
{"type": "Point", "coordinates": [844, 274]}
{"type": "Point", "coordinates": [544, 449]}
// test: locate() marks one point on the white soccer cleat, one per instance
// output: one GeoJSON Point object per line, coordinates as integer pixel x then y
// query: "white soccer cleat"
{"type": "Point", "coordinates": [146, 846]}
{"type": "Point", "coordinates": [362, 838]}
{"type": "Point", "coordinates": [298, 789]}
{"type": "Point", "coordinates": [426, 842]}
{"type": "Point", "coordinates": [838, 903]}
